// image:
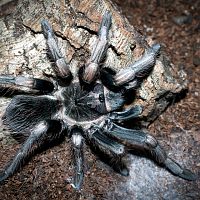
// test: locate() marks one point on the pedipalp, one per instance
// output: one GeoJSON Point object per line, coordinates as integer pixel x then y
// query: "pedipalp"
{"type": "Point", "coordinates": [60, 67]}
{"type": "Point", "coordinates": [99, 50]}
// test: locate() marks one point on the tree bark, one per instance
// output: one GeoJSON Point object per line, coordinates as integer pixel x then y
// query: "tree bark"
{"type": "Point", "coordinates": [23, 47]}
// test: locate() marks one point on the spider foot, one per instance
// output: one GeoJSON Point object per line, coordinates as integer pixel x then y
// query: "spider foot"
{"type": "Point", "coordinates": [121, 168]}
{"type": "Point", "coordinates": [177, 170]}
{"type": "Point", "coordinates": [77, 181]}
{"type": "Point", "coordinates": [78, 157]}
{"type": "Point", "coordinates": [3, 177]}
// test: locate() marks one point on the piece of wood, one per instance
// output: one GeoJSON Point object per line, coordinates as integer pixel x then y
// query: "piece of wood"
{"type": "Point", "coordinates": [23, 47]}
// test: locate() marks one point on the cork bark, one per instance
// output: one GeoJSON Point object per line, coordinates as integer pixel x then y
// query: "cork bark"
{"type": "Point", "coordinates": [23, 48]}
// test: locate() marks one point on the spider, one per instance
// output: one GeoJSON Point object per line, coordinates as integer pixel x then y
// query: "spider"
{"type": "Point", "coordinates": [87, 107]}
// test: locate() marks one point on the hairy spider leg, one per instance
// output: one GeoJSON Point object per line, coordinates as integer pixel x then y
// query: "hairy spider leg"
{"type": "Point", "coordinates": [139, 68]}
{"type": "Point", "coordinates": [60, 66]}
{"type": "Point", "coordinates": [130, 77]}
{"type": "Point", "coordinates": [107, 78]}
{"type": "Point", "coordinates": [104, 142]}
{"type": "Point", "coordinates": [77, 146]}
{"type": "Point", "coordinates": [24, 112]}
{"type": "Point", "coordinates": [109, 157]}
{"type": "Point", "coordinates": [128, 114]}
{"type": "Point", "coordinates": [43, 132]}
{"type": "Point", "coordinates": [97, 140]}
{"type": "Point", "coordinates": [90, 70]}
{"type": "Point", "coordinates": [136, 138]}
{"type": "Point", "coordinates": [25, 84]}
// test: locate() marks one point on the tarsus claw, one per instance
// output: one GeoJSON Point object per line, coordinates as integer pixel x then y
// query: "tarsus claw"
{"type": "Point", "coordinates": [176, 169]}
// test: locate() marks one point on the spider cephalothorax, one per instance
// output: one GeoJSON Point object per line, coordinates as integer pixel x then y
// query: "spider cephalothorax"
{"type": "Point", "coordinates": [87, 107]}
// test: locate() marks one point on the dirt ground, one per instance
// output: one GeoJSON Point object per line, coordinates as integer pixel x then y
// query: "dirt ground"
{"type": "Point", "coordinates": [176, 25]}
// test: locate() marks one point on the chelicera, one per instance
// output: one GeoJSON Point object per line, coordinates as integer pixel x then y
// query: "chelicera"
{"type": "Point", "coordinates": [87, 107]}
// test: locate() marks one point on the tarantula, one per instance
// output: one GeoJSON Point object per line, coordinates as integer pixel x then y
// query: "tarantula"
{"type": "Point", "coordinates": [88, 107]}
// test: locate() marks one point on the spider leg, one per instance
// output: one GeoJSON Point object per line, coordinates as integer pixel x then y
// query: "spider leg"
{"type": "Point", "coordinates": [25, 84]}
{"type": "Point", "coordinates": [138, 68]}
{"type": "Point", "coordinates": [132, 85]}
{"type": "Point", "coordinates": [109, 147]}
{"type": "Point", "coordinates": [77, 145]}
{"type": "Point", "coordinates": [108, 150]}
{"type": "Point", "coordinates": [24, 112]}
{"type": "Point", "coordinates": [118, 165]}
{"type": "Point", "coordinates": [61, 67]}
{"type": "Point", "coordinates": [129, 78]}
{"type": "Point", "coordinates": [104, 142]}
{"type": "Point", "coordinates": [143, 140]}
{"type": "Point", "coordinates": [110, 158]}
{"type": "Point", "coordinates": [98, 53]}
{"type": "Point", "coordinates": [126, 115]}
{"type": "Point", "coordinates": [107, 78]}
{"type": "Point", "coordinates": [45, 131]}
